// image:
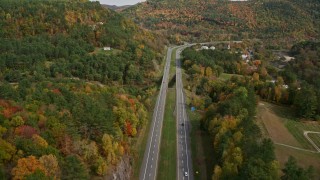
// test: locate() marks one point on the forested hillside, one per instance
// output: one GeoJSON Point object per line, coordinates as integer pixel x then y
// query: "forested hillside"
{"type": "Point", "coordinates": [280, 22]}
{"type": "Point", "coordinates": [68, 108]}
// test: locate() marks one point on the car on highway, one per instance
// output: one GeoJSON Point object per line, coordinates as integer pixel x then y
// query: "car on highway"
{"type": "Point", "coordinates": [185, 173]}
{"type": "Point", "coordinates": [182, 124]}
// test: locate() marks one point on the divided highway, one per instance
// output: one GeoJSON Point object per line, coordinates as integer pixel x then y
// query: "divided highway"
{"type": "Point", "coordinates": [184, 169]}
{"type": "Point", "coordinates": [148, 170]}
{"type": "Point", "coordinates": [149, 165]}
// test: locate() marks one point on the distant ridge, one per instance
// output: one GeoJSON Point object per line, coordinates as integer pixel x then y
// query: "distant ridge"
{"type": "Point", "coordinates": [116, 8]}
{"type": "Point", "coordinates": [276, 21]}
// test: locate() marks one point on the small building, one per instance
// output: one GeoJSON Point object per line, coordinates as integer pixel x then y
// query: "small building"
{"type": "Point", "coordinates": [244, 57]}
{"type": "Point", "coordinates": [288, 58]}
{"type": "Point", "coordinates": [106, 48]}
{"type": "Point", "coordinates": [285, 86]}
{"type": "Point", "coordinates": [272, 81]}
{"type": "Point", "coordinates": [205, 47]}
{"type": "Point", "coordinates": [212, 48]}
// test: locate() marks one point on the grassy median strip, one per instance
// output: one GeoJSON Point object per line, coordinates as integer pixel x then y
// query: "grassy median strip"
{"type": "Point", "coordinates": [168, 150]}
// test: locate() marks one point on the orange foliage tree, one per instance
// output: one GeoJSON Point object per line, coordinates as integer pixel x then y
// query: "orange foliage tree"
{"type": "Point", "coordinates": [27, 166]}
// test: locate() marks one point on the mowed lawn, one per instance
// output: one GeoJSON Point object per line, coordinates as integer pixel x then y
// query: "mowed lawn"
{"type": "Point", "coordinates": [280, 124]}
{"type": "Point", "coordinates": [168, 150]}
{"type": "Point", "coordinates": [297, 129]}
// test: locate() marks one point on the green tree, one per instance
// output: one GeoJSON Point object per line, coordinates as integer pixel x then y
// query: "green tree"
{"type": "Point", "coordinates": [306, 102]}
{"type": "Point", "coordinates": [74, 169]}
{"type": "Point", "coordinates": [293, 172]}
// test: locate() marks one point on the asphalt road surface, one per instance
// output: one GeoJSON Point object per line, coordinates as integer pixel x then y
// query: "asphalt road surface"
{"type": "Point", "coordinates": [149, 165]}
{"type": "Point", "coordinates": [184, 169]}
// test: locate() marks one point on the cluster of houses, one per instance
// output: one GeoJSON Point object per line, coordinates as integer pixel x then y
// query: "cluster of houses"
{"type": "Point", "coordinates": [284, 86]}
{"type": "Point", "coordinates": [281, 59]}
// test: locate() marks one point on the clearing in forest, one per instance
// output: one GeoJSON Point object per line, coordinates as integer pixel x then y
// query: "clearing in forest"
{"type": "Point", "coordinates": [292, 138]}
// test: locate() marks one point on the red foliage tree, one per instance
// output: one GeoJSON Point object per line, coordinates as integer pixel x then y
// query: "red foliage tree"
{"type": "Point", "coordinates": [56, 91]}
{"type": "Point", "coordinates": [25, 131]}
{"type": "Point", "coordinates": [128, 129]}
{"type": "Point", "coordinates": [9, 111]}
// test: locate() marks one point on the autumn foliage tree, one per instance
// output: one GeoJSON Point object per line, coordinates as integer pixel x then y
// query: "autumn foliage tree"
{"type": "Point", "coordinates": [51, 165]}
{"type": "Point", "coordinates": [27, 166]}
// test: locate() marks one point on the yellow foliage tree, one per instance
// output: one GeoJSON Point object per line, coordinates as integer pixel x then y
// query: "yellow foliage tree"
{"type": "Point", "coordinates": [6, 151]}
{"type": "Point", "coordinates": [39, 141]}
{"type": "Point", "coordinates": [255, 77]}
{"type": "Point", "coordinates": [209, 72]}
{"type": "Point", "coordinates": [108, 148]}
{"type": "Point", "coordinates": [217, 173]}
{"type": "Point", "coordinates": [51, 165]}
{"type": "Point", "coordinates": [277, 93]}
{"type": "Point", "coordinates": [101, 166]}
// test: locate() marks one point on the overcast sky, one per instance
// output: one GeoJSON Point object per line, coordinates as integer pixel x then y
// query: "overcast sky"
{"type": "Point", "coordinates": [119, 2]}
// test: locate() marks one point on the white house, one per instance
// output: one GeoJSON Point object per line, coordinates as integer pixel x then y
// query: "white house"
{"type": "Point", "coordinates": [272, 81]}
{"type": "Point", "coordinates": [285, 86]}
{"type": "Point", "coordinates": [244, 56]}
{"type": "Point", "coordinates": [288, 58]}
{"type": "Point", "coordinates": [107, 48]}
{"type": "Point", "coordinates": [205, 47]}
{"type": "Point", "coordinates": [212, 48]}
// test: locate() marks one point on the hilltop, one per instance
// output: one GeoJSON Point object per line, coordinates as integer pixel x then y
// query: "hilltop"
{"type": "Point", "coordinates": [116, 8]}
{"type": "Point", "coordinates": [277, 21]}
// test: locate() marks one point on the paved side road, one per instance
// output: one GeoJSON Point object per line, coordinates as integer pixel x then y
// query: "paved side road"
{"type": "Point", "coordinates": [148, 170]}
{"type": "Point", "coordinates": [184, 169]}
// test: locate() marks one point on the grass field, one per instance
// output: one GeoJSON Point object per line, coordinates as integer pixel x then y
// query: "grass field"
{"type": "Point", "coordinates": [280, 124]}
{"type": "Point", "coordinates": [297, 128]}
{"type": "Point", "coordinates": [168, 150]}
{"type": "Point", "coordinates": [315, 138]}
